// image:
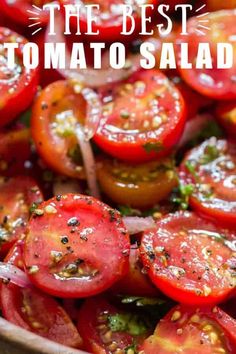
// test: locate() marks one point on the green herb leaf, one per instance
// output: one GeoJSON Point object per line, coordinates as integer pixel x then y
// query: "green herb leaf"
{"type": "Point", "coordinates": [127, 322]}
{"type": "Point", "coordinates": [152, 146]}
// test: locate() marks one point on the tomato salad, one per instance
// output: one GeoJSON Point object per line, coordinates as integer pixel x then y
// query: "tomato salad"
{"type": "Point", "coordinates": [118, 201]}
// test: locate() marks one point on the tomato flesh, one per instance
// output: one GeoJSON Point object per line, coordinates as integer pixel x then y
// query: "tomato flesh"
{"type": "Point", "coordinates": [189, 259]}
{"type": "Point", "coordinates": [144, 115]}
{"type": "Point", "coordinates": [211, 169]}
{"type": "Point", "coordinates": [79, 246]}
{"type": "Point", "coordinates": [189, 331]}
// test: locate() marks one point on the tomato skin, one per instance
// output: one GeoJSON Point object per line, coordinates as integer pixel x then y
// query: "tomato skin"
{"type": "Point", "coordinates": [17, 194]}
{"type": "Point", "coordinates": [95, 331]}
{"type": "Point", "coordinates": [136, 282]}
{"type": "Point", "coordinates": [15, 150]}
{"type": "Point", "coordinates": [67, 228]}
{"type": "Point", "coordinates": [16, 91]}
{"type": "Point", "coordinates": [213, 197]}
{"type": "Point", "coordinates": [226, 115]}
{"type": "Point", "coordinates": [143, 185]}
{"type": "Point", "coordinates": [214, 83]}
{"type": "Point", "coordinates": [188, 330]}
{"type": "Point", "coordinates": [17, 11]}
{"type": "Point", "coordinates": [35, 311]}
{"type": "Point", "coordinates": [172, 255]}
{"type": "Point", "coordinates": [51, 143]}
{"type": "Point", "coordinates": [143, 90]}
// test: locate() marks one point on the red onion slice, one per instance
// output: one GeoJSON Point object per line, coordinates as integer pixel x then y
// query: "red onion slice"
{"type": "Point", "coordinates": [14, 275]}
{"type": "Point", "coordinates": [91, 77]}
{"type": "Point", "coordinates": [94, 112]}
{"type": "Point", "coordinates": [136, 224]}
{"type": "Point", "coordinates": [89, 161]}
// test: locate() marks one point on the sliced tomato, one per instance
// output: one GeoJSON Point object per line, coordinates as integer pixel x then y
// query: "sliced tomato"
{"type": "Point", "coordinates": [15, 150]}
{"type": "Point", "coordinates": [109, 19]}
{"type": "Point", "coordinates": [215, 83]}
{"type": "Point", "coordinates": [215, 5]}
{"type": "Point", "coordinates": [18, 86]}
{"type": "Point", "coordinates": [190, 259]}
{"type": "Point", "coordinates": [139, 186]}
{"type": "Point", "coordinates": [226, 114]}
{"type": "Point", "coordinates": [106, 329]}
{"type": "Point", "coordinates": [54, 117]}
{"type": "Point", "coordinates": [17, 195]}
{"type": "Point", "coordinates": [211, 168]}
{"type": "Point", "coordinates": [78, 245]}
{"type": "Point", "coordinates": [143, 117]}
{"type": "Point", "coordinates": [136, 282]}
{"type": "Point", "coordinates": [190, 331]}
{"type": "Point", "coordinates": [21, 12]}
{"type": "Point", "coordinates": [35, 311]}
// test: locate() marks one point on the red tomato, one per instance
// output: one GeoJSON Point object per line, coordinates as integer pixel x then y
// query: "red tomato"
{"type": "Point", "coordinates": [139, 186]}
{"type": "Point", "coordinates": [215, 5]}
{"type": "Point", "coordinates": [106, 329]}
{"type": "Point", "coordinates": [226, 114]}
{"type": "Point", "coordinates": [136, 282]}
{"type": "Point", "coordinates": [189, 331]}
{"type": "Point", "coordinates": [211, 168]}
{"type": "Point", "coordinates": [190, 259]}
{"type": "Point", "coordinates": [81, 245]}
{"type": "Point", "coordinates": [215, 83]}
{"type": "Point", "coordinates": [109, 19]}
{"type": "Point", "coordinates": [18, 86]}
{"type": "Point", "coordinates": [143, 117]}
{"type": "Point", "coordinates": [37, 312]}
{"type": "Point", "coordinates": [18, 11]}
{"type": "Point", "coordinates": [15, 150]}
{"type": "Point", "coordinates": [54, 117]}
{"type": "Point", "coordinates": [17, 195]}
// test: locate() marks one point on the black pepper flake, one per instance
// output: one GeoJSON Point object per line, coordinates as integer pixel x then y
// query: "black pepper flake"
{"type": "Point", "coordinates": [44, 106]}
{"type": "Point", "coordinates": [112, 215]}
{"type": "Point", "coordinates": [64, 240]}
{"type": "Point", "coordinates": [73, 221]}
{"type": "Point", "coordinates": [58, 198]}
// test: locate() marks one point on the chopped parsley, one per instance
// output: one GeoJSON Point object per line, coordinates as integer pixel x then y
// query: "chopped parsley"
{"type": "Point", "coordinates": [182, 198]}
{"type": "Point", "coordinates": [152, 146]}
{"type": "Point", "coordinates": [127, 322]}
{"type": "Point", "coordinates": [211, 153]}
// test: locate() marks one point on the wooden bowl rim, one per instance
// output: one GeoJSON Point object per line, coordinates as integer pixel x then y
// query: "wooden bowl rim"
{"type": "Point", "coordinates": [24, 339]}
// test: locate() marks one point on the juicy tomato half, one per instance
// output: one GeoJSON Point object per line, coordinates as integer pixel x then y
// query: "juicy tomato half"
{"type": "Point", "coordinates": [143, 116]}
{"type": "Point", "coordinates": [189, 259]}
{"type": "Point", "coordinates": [215, 83]}
{"type": "Point", "coordinates": [139, 186]}
{"type": "Point", "coordinates": [21, 12]}
{"type": "Point", "coordinates": [15, 150]}
{"type": "Point", "coordinates": [136, 282]}
{"type": "Point", "coordinates": [226, 114]}
{"type": "Point", "coordinates": [18, 85]}
{"type": "Point", "coordinates": [106, 329]}
{"type": "Point", "coordinates": [210, 169]}
{"type": "Point", "coordinates": [35, 311]}
{"type": "Point", "coordinates": [17, 195]}
{"type": "Point", "coordinates": [54, 117]}
{"type": "Point", "coordinates": [188, 331]}
{"type": "Point", "coordinates": [109, 19]}
{"type": "Point", "coordinates": [77, 246]}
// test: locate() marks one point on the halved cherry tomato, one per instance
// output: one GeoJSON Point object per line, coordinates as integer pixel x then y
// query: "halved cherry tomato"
{"type": "Point", "coordinates": [143, 117]}
{"type": "Point", "coordinates": [190, 259]}
{"type": "Point", "coordinates": [54, 117]}
{"type": "Point", "coordinates": [226, 114]}
{"type": "Point", "coordinates": [15, 150]}
{"type": "Point", "coordinates": [188, 331]}
{"type": "Point", "coordinates": [136, 282]}
{"type": "Point", "coordinates": [78, 245]}
{"type": "Point", "coordinates": [35, 311]}
{"type": "Point", "coordinates": [21, 12]}
{"type": "Point", "coordinates": [215, 83]}
{"type": "Point", "coordinates": [18, 86]}
{"type": "Point", "coordinates": [106, 329]}
{"type": "Point", "coordinates": [215, 5]}
{"type": "Point", "coordinates": [17, 195]}
{"type": "Point", "coordinates": [139, 186]}
{"type": "Point", "coordinates": [211, 169]}
{"type": "Point", "coordinates": [109, 19]}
